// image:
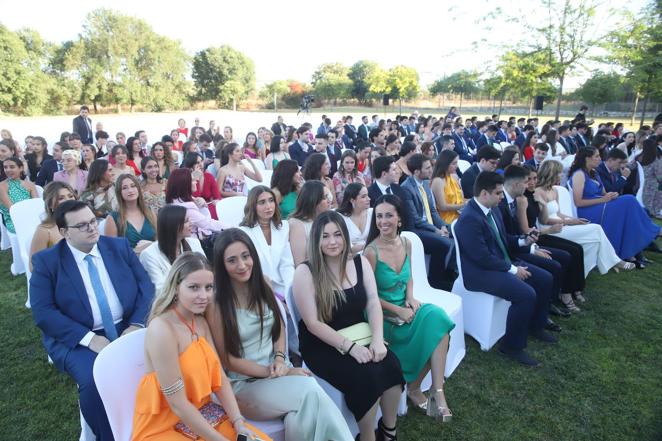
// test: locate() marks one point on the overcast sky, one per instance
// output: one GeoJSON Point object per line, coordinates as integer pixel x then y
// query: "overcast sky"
{"type": "Point", "coordinates": [290, 38]}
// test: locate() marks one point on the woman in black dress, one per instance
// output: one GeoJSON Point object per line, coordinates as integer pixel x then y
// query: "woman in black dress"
{"type": "Point", "coordinates": [333, 292]}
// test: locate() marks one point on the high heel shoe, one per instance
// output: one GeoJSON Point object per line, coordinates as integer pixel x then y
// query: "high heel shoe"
{"type": "Point", "coordinates": [420, 406]}
{"type": "Point", "coordinates": [567, 301]}
{"type": "Point", "coordinates": [382, 433]}
{"type": "Point", "coordinates": [578, 296]}
{"type": "Point", "coordinates": [436, 410]}
{"type": "Point", "coordinates": [623, 265]}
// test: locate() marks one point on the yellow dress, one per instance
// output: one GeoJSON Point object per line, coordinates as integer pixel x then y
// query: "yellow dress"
{"type": "Point", "coordinates": [452, 195]}
{"type": "Point", "coordinates": [201, 372]}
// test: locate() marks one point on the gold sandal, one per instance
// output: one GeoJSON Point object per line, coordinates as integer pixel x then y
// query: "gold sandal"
{"type": "Point", "coordinates": [421, 406]}
{"type": "Point", "coordinates": [567, 301]}
{"type": "Point", "coordinates": [436, 410]}
{"type": "Point", "coordinates": [625, 266]}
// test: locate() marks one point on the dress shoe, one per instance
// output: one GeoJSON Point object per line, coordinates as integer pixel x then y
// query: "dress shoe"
{"type": "Point", "coordinates": [551, 326]}
{"type": "Point", "coordinates": [555, 310]}
{"type": "Point", "coordinates": [653, 247]}
{"type": "Point", "coordinates": [519, 356]}
{"type": "Point", "coordinates": [545, 336]}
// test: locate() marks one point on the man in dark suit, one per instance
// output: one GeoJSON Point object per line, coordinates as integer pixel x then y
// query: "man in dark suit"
{"type": "Point", "coordinates": [464, 147]}
{"type": "Point", "coordinates": [387, 183]}
{"type": "Point", "coordinates": [487, 138]}
{"type": "Point", "coordinates": [502, 135]}
{"type": "Point", "coordinates": [300, 149]}
{"type": "Point", "coordinates": [425, 220]}
{"type": "Point", "coordinates": [364, 128]}
{"type": "Point", "coordinates": [613, 171]}
{"type": "Point", "coordinates": [350, 132]}
{"type": "Point", "coordinates": [486, 159]}
{"type": "Point", "coordinates": [582, 139]}
{"type": "Point", "coordinates": [50, 166]}
{"type": "Point", "coordinates": [85, 292]}
{"type": "Point", "coordinates": [279, 127]}
{"type": "Point", "coordinates": [490, 264]}
{"type": "Point", "coordinates": [566, 140]}
{"type": "Point", "coordinates": [332, 152]}
{"type": "Point", "coordinates": [553, 260]}
{"type": "Point", "coordinates": [539, 155]}
{"type": "Point", "coordinates": [83, 126]}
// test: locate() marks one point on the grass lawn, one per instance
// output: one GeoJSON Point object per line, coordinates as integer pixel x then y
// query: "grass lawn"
{"type": "Point", "coordinates": [603, 381]}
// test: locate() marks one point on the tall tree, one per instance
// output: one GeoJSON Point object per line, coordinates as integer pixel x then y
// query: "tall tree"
{"type": "Point", "coordinates": [462, 83]}
{"type": "Point", "coordinates": [525, 75]}
{"type": "Point", "coordinates": [602, 88]}
{"type": "Point", "coordinates": [216, 66]}
{"type": "Point", "coordinates": [274, 91]}
{"type": "Point", "coordinates": [403, 83]}
{"type": "Point", "coordinates": [331, 81]}
{"type": "Point", "coordinates": [359, 74]}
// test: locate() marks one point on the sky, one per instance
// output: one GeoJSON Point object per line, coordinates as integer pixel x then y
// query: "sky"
{"type": "Point", "coordinates": [289, 39]}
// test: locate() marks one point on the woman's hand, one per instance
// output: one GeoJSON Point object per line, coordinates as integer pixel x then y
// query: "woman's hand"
{"type": "Point", "coordinates": [241, 428]}
{"type": "Point", "coordinates": [361, 354]}
{"type": "Point", "coordinates": [299, 371]}
{"type": "Point", "coordinates": [414, 304]}
{"type": "Point", "coordinates": [378, 349]}
{"type": "Point", "coordinates": [406, 314]}
{"type": "Point", "coordinates": [200, 202]}
{"type": "Point", "coordinates": [277, 368]}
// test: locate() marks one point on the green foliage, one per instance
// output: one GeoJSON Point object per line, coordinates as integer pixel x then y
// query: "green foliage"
{"type": "Point", "coordinates": [223, 74]}
{"type": "Point", "coordinates": [359, 74]}
{"type": "Point", "coordinates": [602, 88]}
{"type": "Point", "coordinates": [331, 81]}
{"type": "Point", "coordinates": [277, 89]}
{"type": "Point", "coordinates": [403, 82]}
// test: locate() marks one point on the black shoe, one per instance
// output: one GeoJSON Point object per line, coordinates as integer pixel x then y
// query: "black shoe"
{"type": "Point", "coordinates": [519, 356]}
{"type": "Point", "coordinates": [551, 326]}
{"type": "Point", "coordinates": [382, 432]}
{"type": "Point", "coordinates": [654, 248]}
{"type": "Point", "coordinates": [545, 336]}
{"type": "Point", "coordinates": [555, 310]}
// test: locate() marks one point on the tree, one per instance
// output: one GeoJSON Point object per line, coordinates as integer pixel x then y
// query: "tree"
{"type": "Point", "coordinates": [359, 74]}
{"type": "Point", "coordinates": [525, 75]}
{"type": "Point", "coordinates": [462, 83]}
{"type": "Point", "coordinates": [402, 83]}
{"type": "Point", "coordinates": [602, 88]}
{"type": "Point", "coordinates": [216, 66]}
{"type": "Point", "coordinates": [332, 81]}
{"type": "Point", "coordinates": [275, 91]}
{"type": "Point", "coordinates": [638, 49]}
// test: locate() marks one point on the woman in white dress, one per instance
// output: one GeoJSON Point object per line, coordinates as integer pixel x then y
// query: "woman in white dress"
{"type": "Point", "coordinates": [598, 251]}
{"type": "Point", "coordinates": [173, 234]}
{"type": "Point", "coordinates": [356, 212]}
{"type": "Point", "coordinates": [314, 198]}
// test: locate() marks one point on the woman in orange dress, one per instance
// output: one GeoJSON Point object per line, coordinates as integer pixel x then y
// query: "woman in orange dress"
{"type": "Point", "coordinates": [183, 369]}
{"type": "Point", "coordinates": [446, 188]}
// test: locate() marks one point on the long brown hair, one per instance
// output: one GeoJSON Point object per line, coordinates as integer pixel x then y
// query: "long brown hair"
{"type": "Point", "coordinates": [250, 209]}
{"type": "Point", "coordinates": [149, 215]}
{"type": "Point", "coordinates": [261, 295]}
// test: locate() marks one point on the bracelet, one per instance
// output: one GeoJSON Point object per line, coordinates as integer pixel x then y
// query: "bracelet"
{"type": "Point", "coordinates": [280, 354]}
{"type": "Point", "coordinates": [234, 421]}
{"type": "Point", "coordinates": [350, 348]}
{"type": "Point", "coordinates": [173, 388]}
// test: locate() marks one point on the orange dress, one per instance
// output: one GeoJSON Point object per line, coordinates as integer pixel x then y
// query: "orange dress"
{"type": "Point", "coordinates": [452, 195]}
{"type": "Point", "coordinates": [201, 373]}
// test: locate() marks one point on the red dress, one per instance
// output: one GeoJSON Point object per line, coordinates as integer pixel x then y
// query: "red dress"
{"type": "Point", "coordinates": [528, 152]}
{"type": "Point", "coordinates": [210, 193]}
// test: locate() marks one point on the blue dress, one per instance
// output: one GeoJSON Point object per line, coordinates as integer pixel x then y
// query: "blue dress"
{"type": "Point", "coordinates": [626, 224]}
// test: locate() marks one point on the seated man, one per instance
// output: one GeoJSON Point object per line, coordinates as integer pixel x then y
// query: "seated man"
{"type": "Point", "coordinates": [488, 138]}
{"type": "Point", "coordinates": [539, 155]}
{"type": "Point", "coordinates": [300, 149]}
{"type": "Point", "coordinates": [553, 260]}
{"type": "Point", "coordinates": [85, 292]}
{"type": "Point", "coordinates": [489, 264]}
{"type": "Point", "coordinates": [487, 159]}
{"type": "Point", "coordinates": [464, 146]}
{"type": "Point", "coordinates": [613, 171]}
{"type": "Point", "coordinates": [425, 221]}
{"type": "Point", "coordinates": [386, 177]}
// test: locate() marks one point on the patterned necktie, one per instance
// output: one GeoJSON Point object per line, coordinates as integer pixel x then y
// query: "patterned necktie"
{"type": "Point", "coordinates": [497, 236]}
{"type": "Point", "coordinates": [102, 300]}
{"type": "Point", "coordinates": [426, 204]}
{"type": "Point", "coordinates": [513, 208]}
{"type": "Point", "coordinates": [388, 190]}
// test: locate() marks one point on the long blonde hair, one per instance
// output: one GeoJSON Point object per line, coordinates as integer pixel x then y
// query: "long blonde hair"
{"type": "Point", "coordinates": [548, 173]}
{"type": "Point", "coordinates": [149, 215]}
{"type": "Point", "coordinates": [329, 293]}
{"type": "Point", "coordinates": [184, 265]}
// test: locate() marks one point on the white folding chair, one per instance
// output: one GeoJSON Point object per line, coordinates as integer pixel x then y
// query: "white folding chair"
{"type": "Point", "coordinates": [258, 163]}
{"type": "Point", "coordinates": [463, 165]}
{"type": "Point", "coordinates": [230, 210]}
{"type": "Point", "coordinates": [5, 243]}
{"type": "Point", "coordinates": [640, 191]}
{"type": "Point", "coordinates": [40, 191]}
{"type": "Point", "coordinates": [27, 216]}
{"type": "Point", "coordinates": [571, 199]}
{"type": "Point", "coordinates": [17, 266]}
{"type": "Point", "coordinates": [484, 314]}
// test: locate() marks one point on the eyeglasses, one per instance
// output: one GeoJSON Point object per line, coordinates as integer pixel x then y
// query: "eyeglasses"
{"type": "Point", "coordinates": [85, 226]}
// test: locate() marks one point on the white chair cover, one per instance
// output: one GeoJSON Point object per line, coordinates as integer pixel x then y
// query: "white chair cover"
{"type": "Point", "coordinates": [484, 314]}
{"type": "Point", "coordinates": [463, 165]}
{"type": "Point", "coordinates": [27, 216]}
{"type": "Point", "coordinates": [230, 210]}
{"type": "Point", "coordinates": [565, 200]}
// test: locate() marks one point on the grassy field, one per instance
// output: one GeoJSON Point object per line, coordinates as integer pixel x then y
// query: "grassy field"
{"type": "Point", "coordinates": [603, 381]}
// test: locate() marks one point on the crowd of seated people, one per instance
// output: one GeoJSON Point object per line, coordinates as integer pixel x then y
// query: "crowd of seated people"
{"type": "Point", "coordinates": [327, 227]}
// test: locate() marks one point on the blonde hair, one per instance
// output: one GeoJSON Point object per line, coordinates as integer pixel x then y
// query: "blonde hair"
{"type": "Point", "coordinates": [548, 173]}
{"type": "Point", "coordinates": [73, 154]}
{"type": "Point", "coordinates": [329, 293]}
{"type": "Point", "coordinates": [184, 265]}
{"type": "Point", "coordinates": [149, 214]}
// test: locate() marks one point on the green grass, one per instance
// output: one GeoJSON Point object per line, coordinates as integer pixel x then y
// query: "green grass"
{"type": "Point", "coordinates": [603, 381]}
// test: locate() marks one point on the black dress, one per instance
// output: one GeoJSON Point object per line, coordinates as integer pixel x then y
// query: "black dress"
{"type": "Point", "coordinates": [574, 280]}
{"type": "Point", "coordinates": [361, 384]}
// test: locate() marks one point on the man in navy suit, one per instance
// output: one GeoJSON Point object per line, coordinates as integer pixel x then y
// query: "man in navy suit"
{"type": "Point", "coordinates": [364, 128]}
{"type": "Point", "coordinates": [425, 220]}
{"type": "Point", "coordinates": [50, 166]}
{"type": "Point", "coordinates": [582, 139]}
{"type": "Point", "coordinates": [613, 171]}
{"type": "Point", "coordinates": [502, 135]}
{"type": "Point", "coordinates": [489, 264]}
{"type": "Point", "coordinates": [82, 125]}
{"type": "Point", "coordinates": [566, 140]}
{"type": "Point", "coordinates": [332, 152]}
{"type": "Point", "coordinates": [486, 159]}
{"type": "Point", "coordinates": [539, 155]}
{"type": "Point", "coordinates": [487, 138]}
{"type": "Point", "coordinates": [85, 292]}
{"type": "Point", "coordinates": [464, 147]}
{"type": "Point", "coordinates": [387, 183]}
{"type": "Point", "coordinates": [300, 149]}
{"type": "Point", "coordinates": [350, 132]}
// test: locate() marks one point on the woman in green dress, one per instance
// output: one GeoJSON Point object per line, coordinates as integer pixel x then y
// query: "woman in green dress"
{"type": "Point", "coordinates": [286, 182]}
{"type": "Point", "coordinates": [14, 189]}
{"type": "Point", "coordinates": [417, 333]}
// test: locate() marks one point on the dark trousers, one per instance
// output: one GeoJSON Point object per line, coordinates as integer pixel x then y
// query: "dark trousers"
{"type": "Point", "coordinates": [442, 256]}
{"type": "Point", "coordinates": [555, 266]}
{"type": "Point", "coordinates": [529, 300]}
{"type": "Point", "coordinates": [574, 272]}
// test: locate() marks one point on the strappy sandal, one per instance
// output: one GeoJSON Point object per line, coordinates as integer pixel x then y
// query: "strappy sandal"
{"type": "Point", "coordinates": [420, 406]}
{"type": "Point", "coordinates": [625, 266]}
{"type": "Point", "coordinates": [567, 301]}
{"type": "Point", "coordinates": [436, 410]}
{"type": "Point", "coordinates": [383, 433]}
{"type": "Point", "coordinates": [579, 297]}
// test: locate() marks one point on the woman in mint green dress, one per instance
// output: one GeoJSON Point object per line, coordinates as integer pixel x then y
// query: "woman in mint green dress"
{"type": "Point", "coordinates": [417, 333]}
{"type": "Point", "coordinates": [14, 189]}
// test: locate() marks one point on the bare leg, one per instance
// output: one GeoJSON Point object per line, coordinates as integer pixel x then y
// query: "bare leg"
{"type": "Point", "coordinates": [414, 388]}
{"type": "Point", "coordinates": [367, 424]}
{"type": "Point", "coordinates": [438, 362]}
{"type": "Point", "coordinates": [389, 405]}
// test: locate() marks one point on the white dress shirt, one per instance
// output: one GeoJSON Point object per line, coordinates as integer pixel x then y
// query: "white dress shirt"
{"type": "Point", "coordinates": [113, 301]}
{"type": "Point", "coordinates": [383, 187]}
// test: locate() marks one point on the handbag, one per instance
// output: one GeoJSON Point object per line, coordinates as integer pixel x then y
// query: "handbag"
{"type": "Point", "coordinates": [212, 412]}
{"type": "Point", "coordinates": [360, 333]}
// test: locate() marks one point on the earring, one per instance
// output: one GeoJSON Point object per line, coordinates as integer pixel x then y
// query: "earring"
{"type": "Point", "coordinates": [174, 299]}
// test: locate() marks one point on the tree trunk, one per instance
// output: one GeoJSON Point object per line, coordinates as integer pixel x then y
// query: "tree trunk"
{"type": "Point", "coordinates": [643, 111]}
{"type": "Point", "coordinates": [94, 103]}
{"type": "Point", "coordinates": [530, 106]}
{"type": "Point", "coordinates": [634, 108]}
{"type": "Point", "coordinates": [234, 104]}
{"type": "Point", "coordinates": [275, 101]}
{"type": "Point", "coordinates": [558, 99]}
{"type": "Point", "coordinates": [500, 106]}
{"type": "Point", "coordinates": [461, 97]}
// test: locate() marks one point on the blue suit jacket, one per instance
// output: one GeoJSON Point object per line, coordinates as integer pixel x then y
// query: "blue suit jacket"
{"type": "Point", "coordinates": [415, 209]}
{"type": "Point", "coordinates": [460, 150]}
{"type": "Point", "coordinates": [297, 153]}
{"type": "Point", "coordinates": [532, 162]}
{"type": "Point", "coordinates": [480, 249]}
{"type": "Point", "coordinates": [612, 181]}
{"type": "Point", "coordinates": [483, 140]}
{"type": "Point", "coordinates": [45, 175]}
{"type": "Point", "coordinates": [501, 136]}
{"type": "Point", "coordinates": [60, 304]}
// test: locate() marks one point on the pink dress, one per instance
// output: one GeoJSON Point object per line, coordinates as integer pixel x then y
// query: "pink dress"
{"type": "Point", "coordinates": [236, 185]}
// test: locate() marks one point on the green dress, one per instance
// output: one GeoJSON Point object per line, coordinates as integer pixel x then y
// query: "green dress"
{"type": "Point", "coordinates": [414, 342]}
{"type": "Point", "coordinates": [134, 236]}
{"type": "Point", "coordinates": [16, 193]}
{"type": "Point", "coordinates": [288, 204]}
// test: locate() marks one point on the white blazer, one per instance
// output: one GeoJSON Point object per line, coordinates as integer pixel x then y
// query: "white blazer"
{"type": "Point", "coordinates": [157, 264]}
{"type": "Point", "coordinates": [276, 260]}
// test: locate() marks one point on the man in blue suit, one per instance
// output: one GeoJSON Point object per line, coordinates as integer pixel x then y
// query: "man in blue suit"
{"type": "Point", "coordinates": [489, 265]}
{"type": "Point", "coordinates": [425, 221]}
{"type": "Point", "coordinates": [464, 147]}
{"type": "Point", "coordinates": [502, 135]}
{"type": "Point", "coordinates": [613, 171]}
{"type": "Point", "coordinates": [487, 138]}
{"type": "Point", "coordinates": [85, 292]}
{"type": "Point", "coordinates": [364, 129]}
{"type": "Point", "coordinates": [539, 155]}
{"type": "Point", "coordinates": [300, 149]}
{"type": "Point", "coordinates": [82, 125]}
{"type": "Point", "coordinates": [487, 159]}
